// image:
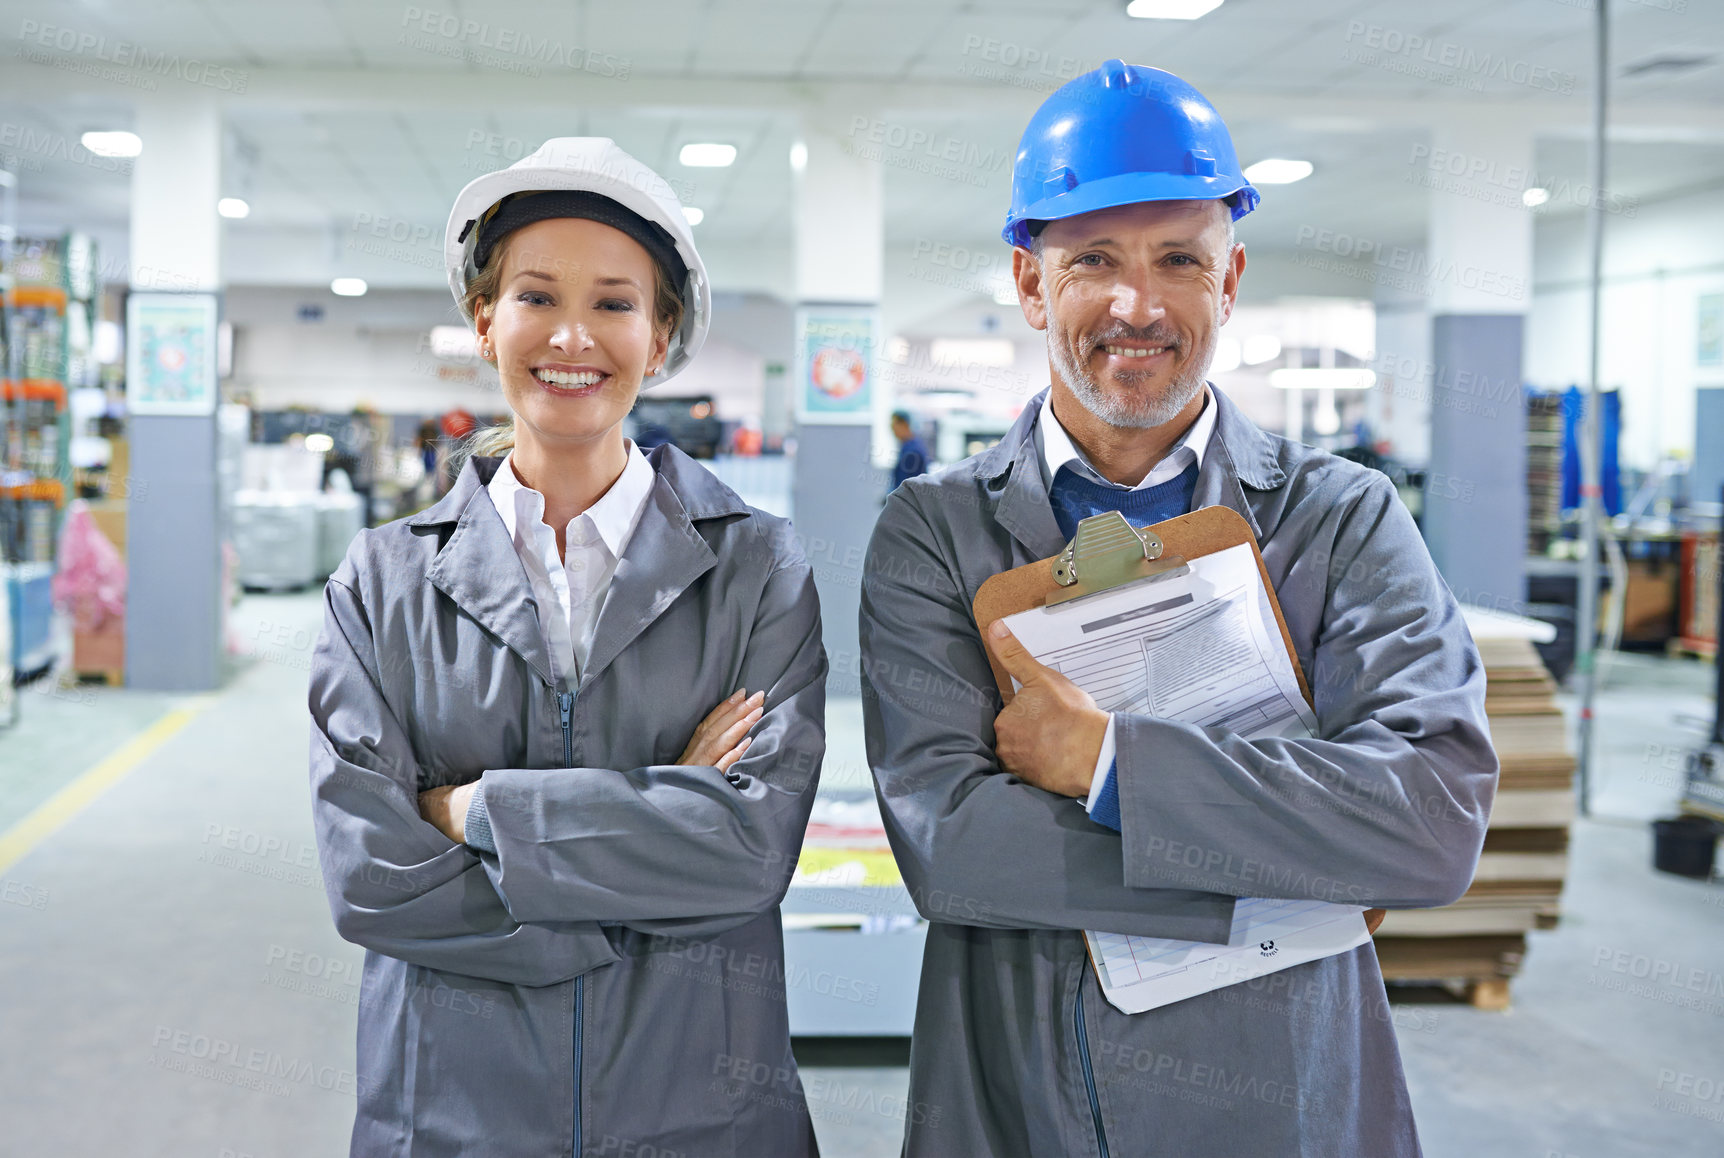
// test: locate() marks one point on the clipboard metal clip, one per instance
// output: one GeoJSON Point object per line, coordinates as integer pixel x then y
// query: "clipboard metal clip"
{"type": "Point", "coordinates": [1106, 552]}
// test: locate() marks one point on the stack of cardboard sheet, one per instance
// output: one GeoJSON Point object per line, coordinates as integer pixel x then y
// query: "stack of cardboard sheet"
{"type": "Point", "coordinates": [1481, 938]}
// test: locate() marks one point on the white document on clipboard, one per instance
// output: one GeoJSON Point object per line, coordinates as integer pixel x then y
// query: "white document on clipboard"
{"type": "Point", "coordinates": [1202, 648]}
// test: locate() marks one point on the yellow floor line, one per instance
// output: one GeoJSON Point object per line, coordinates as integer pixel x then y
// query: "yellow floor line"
{"type": "Point", "coordinates": [17, 841]}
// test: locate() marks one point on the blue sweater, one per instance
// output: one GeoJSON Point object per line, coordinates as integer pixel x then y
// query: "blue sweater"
{"type": "Point", "coordinates": [1075, 498]}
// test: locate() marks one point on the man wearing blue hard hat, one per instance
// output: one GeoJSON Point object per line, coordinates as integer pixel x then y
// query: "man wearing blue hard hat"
{"type": "Point", "coordinates": [1016, 829]}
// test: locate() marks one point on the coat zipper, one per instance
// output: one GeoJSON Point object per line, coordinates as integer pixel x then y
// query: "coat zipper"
{"type": "Point", "coordinates": [1088, 1073]}
{"type": "Point", "coordinates": [565, 706]}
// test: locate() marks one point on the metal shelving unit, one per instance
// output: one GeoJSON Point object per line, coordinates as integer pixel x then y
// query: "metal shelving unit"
{"type": "Point", "coordinates": [9, 353]}
{"type": "Point", "coordinates": [49, 302]}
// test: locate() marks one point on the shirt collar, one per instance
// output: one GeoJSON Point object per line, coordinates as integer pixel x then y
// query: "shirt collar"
{"type": "Point", "coordinates": [613, 516]}
{"type": "Point", "coordinates": [1058, 449]}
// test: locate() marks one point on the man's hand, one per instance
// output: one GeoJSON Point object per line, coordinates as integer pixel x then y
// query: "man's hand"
{"type": "Point", "coordinates": [445, 809]}
{"type": "Point", "coordinates": [1050, 734]}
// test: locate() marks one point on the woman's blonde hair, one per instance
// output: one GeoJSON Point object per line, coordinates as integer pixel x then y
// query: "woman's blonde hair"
{"type": "Point", "coordinates": [481, 295]}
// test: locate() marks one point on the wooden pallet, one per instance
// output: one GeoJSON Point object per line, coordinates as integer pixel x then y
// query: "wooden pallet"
{"type": "Point", "coordinates": [111, 677]}
{"type": "Point", "coordinates": [1692, 648]}
{"type": "Point", "coordinates": [1476, 969]}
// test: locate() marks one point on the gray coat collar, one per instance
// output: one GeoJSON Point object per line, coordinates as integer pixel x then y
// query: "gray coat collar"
{"type": "Point", "coordinates": [1240, 454]}
{"type": "Point", "coordinates": [478, 569]}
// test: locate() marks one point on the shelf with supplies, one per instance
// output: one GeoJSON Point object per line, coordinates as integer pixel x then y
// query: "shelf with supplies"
{"type": "Point", "coordinates": [48, 298]}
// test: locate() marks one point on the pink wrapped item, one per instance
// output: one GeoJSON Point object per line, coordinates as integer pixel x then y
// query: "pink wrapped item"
{"type": "Point", "coordinates": [90, 582]}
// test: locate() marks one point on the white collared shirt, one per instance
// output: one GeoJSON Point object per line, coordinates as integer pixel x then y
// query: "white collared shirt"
{"type": "Point", "coordinates": [1059, 450]}
{"type": "Point", "coordinates": [575, 585]}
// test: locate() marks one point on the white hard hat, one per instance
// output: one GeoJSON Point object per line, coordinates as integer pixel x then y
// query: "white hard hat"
{"type": "Point", "coordinates": [595, 165]}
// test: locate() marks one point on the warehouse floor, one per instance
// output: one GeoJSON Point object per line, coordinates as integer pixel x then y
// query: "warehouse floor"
{"type": "Point", "coordinates": [171, 895]}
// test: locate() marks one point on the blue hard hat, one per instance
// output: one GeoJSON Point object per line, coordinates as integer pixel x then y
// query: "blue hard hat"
{"type": "Point", "coordinates": [1121, 134]}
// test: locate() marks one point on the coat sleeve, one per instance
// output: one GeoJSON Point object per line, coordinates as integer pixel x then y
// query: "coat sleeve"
{"type": "Point", "coordinates": [1387, 806]}
{"type": "Point", "coordinates": [396, 885]}
{"type": "Point", "coordinates": [671, 848]}
{"type": "Point", "coordinates": [978, 846]}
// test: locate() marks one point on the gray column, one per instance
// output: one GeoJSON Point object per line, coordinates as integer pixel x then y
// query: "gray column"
{"type": "Point", "coordinates": [836, 493]}
{"type": "Point", "coordinates": [1475, 489]}
{"type": "Point", "coordinates": [173, 556]}
{"type": "Point", "coordinates": [837, 498]}
{"type": "Point", "coordinates": [1479, 275]}
{"type": "Point", "coordinates": [173, 543]}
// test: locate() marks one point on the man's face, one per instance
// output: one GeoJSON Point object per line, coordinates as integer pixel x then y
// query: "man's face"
{"type": "Point", "coordinates": [1131, 299]}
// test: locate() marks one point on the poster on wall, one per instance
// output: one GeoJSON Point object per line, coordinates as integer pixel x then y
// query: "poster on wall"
{"type": "Point", "coordinates": [1709, 333]}
{"type": "Point", "coordinates": [171, 353]}
{"type": "Point", "coordinates": [835, 364]}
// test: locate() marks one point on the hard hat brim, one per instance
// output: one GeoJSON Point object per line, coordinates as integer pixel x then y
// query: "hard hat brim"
{"type": "Point", "coordinates": [1130, 189]}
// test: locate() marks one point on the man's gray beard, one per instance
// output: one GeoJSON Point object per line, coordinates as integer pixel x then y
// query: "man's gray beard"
{"type": "Point", "coordinates": [1153, 410]}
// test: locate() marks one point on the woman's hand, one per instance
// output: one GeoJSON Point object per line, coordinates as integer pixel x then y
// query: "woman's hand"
{"type": "Point", "coordinates": [722, 737]}
{"type": "Point", "coordinates": [445, 809]}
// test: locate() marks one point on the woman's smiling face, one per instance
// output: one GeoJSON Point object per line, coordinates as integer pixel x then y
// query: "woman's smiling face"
{"type": "Point", "coordinates": [572, 327]}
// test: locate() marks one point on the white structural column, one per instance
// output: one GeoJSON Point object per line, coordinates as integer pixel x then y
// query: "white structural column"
{"type": "Point", "coordinates": [173, 538]}
{"type": "Point", "coordinates": [839, 239]}
{"type": "Point", "coordinates": [1478, 269]}
{"type": "Point", "coordinates": [840, 227]}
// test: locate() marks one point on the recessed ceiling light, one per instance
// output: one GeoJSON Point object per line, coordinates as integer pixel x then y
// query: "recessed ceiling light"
{"type": "Point", "coordinates": [692, 215]}
{"type": "Point", "coordinates": [1322, 379]}
{"type": "Point", "coordinates": [707, 155]}
{"type": "Point", "coordinates": [232, 207]}
{"type": "Point", "coordinates": [1277, 171]}
{"type": "Point", "coordinates": [1171, 9]}
{"type": "Point", "coordinates": [118, 143]}
{"type": "Point", "coordinates": [798, 156]}
{"type": "Point", "coordinates": [454, 342]}
{"type": "Point", "coordinates": [1260, 348]}
{"type": "Point", "coordinates": [348, 287]}
{"type": "Point", "coordinates": [948, 352]}
{"type": "Point", "coordinates": [1534, 197]}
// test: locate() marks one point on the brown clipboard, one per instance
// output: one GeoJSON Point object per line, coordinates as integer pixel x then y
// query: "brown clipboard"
{"type": "Point", "coordinates": [1192, 536]}
{"type": "Point", "coordinates": [1202, 532]}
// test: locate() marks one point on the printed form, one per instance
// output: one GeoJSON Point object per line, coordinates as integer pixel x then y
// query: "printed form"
{"type": "Point", "coordinates": [1202, 648]}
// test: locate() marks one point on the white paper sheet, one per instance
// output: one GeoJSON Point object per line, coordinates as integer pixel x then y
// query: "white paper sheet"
{"type": "Point", "coordinates": [1203, 648]}
{"type": "Point", "coordinates": [1139, 973]}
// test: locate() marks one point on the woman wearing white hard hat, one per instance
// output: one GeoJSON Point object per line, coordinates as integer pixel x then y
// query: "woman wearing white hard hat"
{"type": "Point", "coordinates": [568, 724]}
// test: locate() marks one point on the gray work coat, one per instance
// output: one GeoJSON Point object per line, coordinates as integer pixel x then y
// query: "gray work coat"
{"type": "Point", "coordinates": [1016, 1051]}
{"type": "Point", "coordinates": [611, 981]}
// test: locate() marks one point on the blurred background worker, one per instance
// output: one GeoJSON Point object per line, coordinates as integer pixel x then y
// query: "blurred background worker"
{"type": "Point", "coordinates": [912, 451]}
